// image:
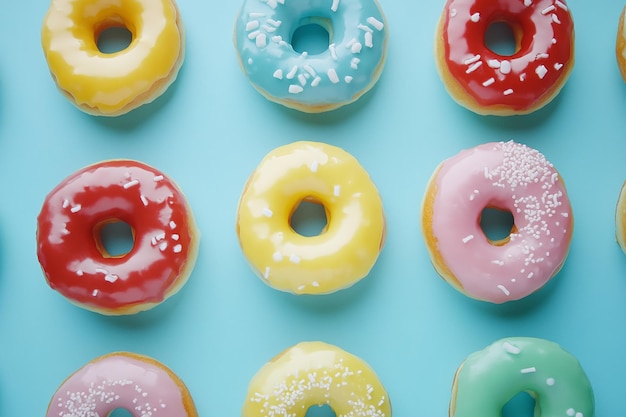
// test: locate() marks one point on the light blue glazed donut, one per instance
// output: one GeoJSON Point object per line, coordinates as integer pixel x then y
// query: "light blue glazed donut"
{"type": "Point", "coordinates": [311, 83]}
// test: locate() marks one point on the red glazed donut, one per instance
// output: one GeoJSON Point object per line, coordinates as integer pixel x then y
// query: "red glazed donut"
{"type": "Point", "coordinates": [73, 257]}
{"type": "Point", "coordinates": [488, 83]}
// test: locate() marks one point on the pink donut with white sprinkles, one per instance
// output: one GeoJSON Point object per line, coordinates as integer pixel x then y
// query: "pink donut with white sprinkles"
{"type": "Point", "coordinates": [507, 176]}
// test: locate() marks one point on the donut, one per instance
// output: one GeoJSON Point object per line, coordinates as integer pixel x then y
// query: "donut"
{"type": "Point", "coordinates": [486, 380]}
{"type": "Point", "coordinates": [122, 380]}
{"type": "Point", "coordinates": [316, 374]}
{"type": "Point", "coordinates": [347, 248]}
{"type": "Point", "coordinates": [510, 177]}
{"type": "Point", "coordinates": [312, 83]}
{"type": "Point", "coordinates": [620, 218]}
{"type": "Point", "coordinates": [488, 83]}
{"type": "Point", "coordinates": [71, 253]}
{"type": "Point", "coordinates": [112, 84]}
{"type": "Point", "coordinates": [620, 45]}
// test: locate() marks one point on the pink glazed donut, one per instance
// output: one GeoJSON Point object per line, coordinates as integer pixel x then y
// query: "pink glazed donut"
{"type": "Point", "coordinates": [122, 380]}
{"type": "Point", "coordinates": [507, 176]}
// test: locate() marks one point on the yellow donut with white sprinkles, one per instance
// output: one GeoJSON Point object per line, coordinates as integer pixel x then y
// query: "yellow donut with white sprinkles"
{"type": "Point", "coordinates": [315, 374]}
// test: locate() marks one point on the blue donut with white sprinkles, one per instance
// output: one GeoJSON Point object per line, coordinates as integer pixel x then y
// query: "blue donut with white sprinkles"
{"type": "Point", "coordinates": [308, 82]}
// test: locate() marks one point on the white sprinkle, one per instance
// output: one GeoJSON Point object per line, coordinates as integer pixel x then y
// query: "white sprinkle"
{"type": "Point", "coordinates": [315, 81]}
{"type": "Point", "coordinates": [172, 225]}
{"type": "Point", "coordinates": [510, 348]}
{"type": "Point", "coordinates": [144, 200]}
{"type": "Point", "coordinates": [377, 24]}
{"type": "Point", "coordinates": [579, 414]}
{"type": "Point", "coordinates": [266, 274]}
{"type": "Point", "coordinates": [294, 259]}
{"type": "Point", "coordinates": [527, 3]}
{"type": "Point", "coordinates": [522, 77]}
{"type": "Point", "coordinates": [254, 15]}
{"type": "Point", "coordinates": [76, 208]}
{"type": "Point", "coordinates": [452, 12]}
{"type": "Point", "coordinates": [558, 66]}
{"type": "Point", "coordinates": [163, 246]}
{"type": "Point", "coordinates": [555, 19]}
{"type": "Point", "coordinates": [110, 277]}
{"type": "Point", "coordinates": [269, 29]}
{"type": "Point", "coordinates": [310, 70]}
{"type": "Point", "coordinates": [369, 40]}
{"type": "Point", "coordinates": [292, 72]}
{"type": "Point", "coordinates": [467, 238]}
{"type": "Point", "coordinates": [489, 82]}
{"type": "Point", "coordinates": [261, 40]}
{"type": "Point", "coordinates": [251, 25]}
{"type": "Point", "coordinates": [505, 67]}
{"type": "Point", "coordinates": [541, 71]}
{"type": "Point", "coordinates": [475, 17]}
{"type": "Point", "coordinates": [131, 184]}
{"type": "Point", "coordinates": [300, 288]}
{"type": "Point", "coordinates": [158, 178]}
{"type": "Point", "coordinates": [548, 9]}
{"type": "Point", "coordinates": [333, 51]}
{"type": "Point", "coordinates": [79, 272]}
{"type": "Point", "coordinates": [274, 23]}
{"type": "Point", "coordinates": [337, 190]}
{"type": "Point", "coordinates": [66, 203]}
{"type": "Point", "coordinates": [332, 76]}
{"type": "Point", "coordinates": [498, 262]}
{"type": "Point", "coordinates": [550, 381]}
{"type": "Point", "coordinates": [315, 284]}
{"type": "Point", "coordinates": [178, 248]}
{"type": "Point", "coordinates": [542, 56]}
{"type": "Point", "coordinates": [561, 5]}
{"type": "Point", "coordinates": [508, 92]}
{"type": "Point", "coordinates": [253, 35]}
{"type": "Point", "coordinates": [267, 212]}
{"type": "Point", "coordinates": [504, 289]}
{"type": "Point", "coordinates": [295, 89]}
{"type": "Point", "coordinates": [473, 67]}
{"type": "Point", "coordinates": [364, 28]}
{"type": "Point", "coordinates": [354, 63]}
{"type": "Point", "coordinates": [356, 47]}
{"type": "Point", "coordinates": [175, 236]}
{"type": "Point", "coordinates": [493, 63]}
{"type": "Point", "coordinates": [334, 5]}
{"type": "Point", "coordinates": [94, 293]}
{"type": "Point", "coordinates": [302, 79]}
{"type": "Point", "coordinates": [532, 274]}
{"type": "Point", "coordinates": [277, 256]}
{"type": "Point", "coordinates": [471, 60]}
{"type": "Point", "coordinates": [278, 74]}
{"type": "Point", "coordinates": [348, 79]}
{"type": "Point", "coordinates": [570, 412]}
{"type": "Point", "coordinates": [529, 370]}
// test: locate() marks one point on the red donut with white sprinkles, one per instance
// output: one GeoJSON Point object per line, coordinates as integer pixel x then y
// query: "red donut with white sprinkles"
{"type": "Point", "coordinates": [492, 84]}
{"type": "Point", "coordinates": [74, 259]}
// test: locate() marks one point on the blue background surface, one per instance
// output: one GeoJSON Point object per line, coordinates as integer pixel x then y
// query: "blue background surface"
{"type": "Point", "coordinates": [211, 129]}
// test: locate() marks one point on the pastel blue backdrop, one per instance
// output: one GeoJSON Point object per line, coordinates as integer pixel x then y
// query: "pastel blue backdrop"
{"type": "Point", "coordinates": [211, 129]}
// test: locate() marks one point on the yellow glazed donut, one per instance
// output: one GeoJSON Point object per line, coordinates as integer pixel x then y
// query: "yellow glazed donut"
{"type": "Point", "coordinates": [113, 84]}
{"type": "Point", "coordinates": [344, 252]}
{"type": "Point", "coordinates": [316, 373]}
{"type": "Point", "coordinates": [620, 45]}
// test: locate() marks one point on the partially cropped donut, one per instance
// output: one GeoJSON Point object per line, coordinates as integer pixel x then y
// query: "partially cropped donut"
{"type": "Point", "coordinates": [620, 44]}
{"type": "Point", "coordinates": [113, 84]}
{"type": "Point", "coordinates": [492, 84]}
{"type": "Point", "coordinates": [122, 380]}
{"type": "Point", "coordinates": [314, 374]}
{"type": "Point", "coordinates": [488, 379]}
{"type": "Point", "coordinates": [70, 249]}
{"type": "Point", "coordinates": [507, 176]}
{"type": "Point", "coordinates": [347, 248]}
{"type": "Point", "coordinates": [312, 83]}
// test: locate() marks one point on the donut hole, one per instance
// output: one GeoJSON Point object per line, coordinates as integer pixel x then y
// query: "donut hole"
{"type": "Point", "coordinates": [501, 38]}
{"type": "Point", "coordinates": [113, 39]}
{"type": "Point", "coordinates": [312, 36]}
{"type": "Point", "coordinates": [114, 238]}
{"type": "Point", "coordinates": [521, 405]}
{"type": "Point", "coordinates": [321, 410]}
{"type": "Point", "coordinates": [309, 218]}
{"type": "Point", "coordinates": [497, 225]}
{"type": "Point", "coordinates": [120, 412]}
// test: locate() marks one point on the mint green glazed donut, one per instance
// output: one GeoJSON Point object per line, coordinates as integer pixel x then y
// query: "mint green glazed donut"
{"type": "Point", "coordinates": [311, 83]}
{"type": "Point", "coordinates": [488, 379]}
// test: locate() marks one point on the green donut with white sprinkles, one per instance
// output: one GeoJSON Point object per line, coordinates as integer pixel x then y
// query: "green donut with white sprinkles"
{"type": "Point", "coordinates": [488, 379]}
